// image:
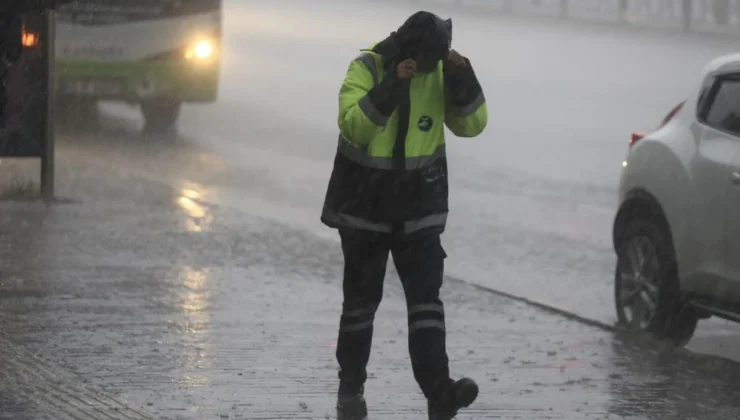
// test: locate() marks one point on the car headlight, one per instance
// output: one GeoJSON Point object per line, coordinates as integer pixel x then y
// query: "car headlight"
{"type": "Point", "coordinates": [202, 50]}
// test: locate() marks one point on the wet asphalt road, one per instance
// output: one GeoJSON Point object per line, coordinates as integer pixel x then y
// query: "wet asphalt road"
{"type": "Point", "coordinates": [140, 301]}
{"type": "Point", "coordinates": [532, 199]}
{"type": "Point", "coordinates": [193, 280]}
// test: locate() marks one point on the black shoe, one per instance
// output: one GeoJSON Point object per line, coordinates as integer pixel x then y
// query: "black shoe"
{"type": "Point", "coordinates": [351, 402]}
{"type": "Point", "coordinates": [451, 398]}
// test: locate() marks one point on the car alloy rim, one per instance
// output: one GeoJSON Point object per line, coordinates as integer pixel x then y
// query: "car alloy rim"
{"type": "Point", "coordinates": [638, 274]}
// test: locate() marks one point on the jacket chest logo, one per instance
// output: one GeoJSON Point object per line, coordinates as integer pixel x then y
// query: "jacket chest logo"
{"type": "Point", "coordinates": [425, 123]}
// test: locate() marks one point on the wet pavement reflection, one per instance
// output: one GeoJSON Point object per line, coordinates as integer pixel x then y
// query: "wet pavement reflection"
{"type": "Point", "coordinates": [168, 305]}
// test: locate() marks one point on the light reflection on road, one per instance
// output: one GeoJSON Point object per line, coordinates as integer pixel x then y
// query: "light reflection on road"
{"type": "Point", "coordinates": [194, 302]}
{"type": "Point", "coordinates": [198, 217]}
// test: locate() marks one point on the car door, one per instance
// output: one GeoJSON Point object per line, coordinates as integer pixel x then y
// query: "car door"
{"type": "Point", "coordinates": [720, 113]}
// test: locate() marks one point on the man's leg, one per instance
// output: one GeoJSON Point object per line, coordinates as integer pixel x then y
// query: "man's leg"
{"type": "Point", "coordinates": [420, 264]}
{"type": "Point", "coordinates": [365, 261]}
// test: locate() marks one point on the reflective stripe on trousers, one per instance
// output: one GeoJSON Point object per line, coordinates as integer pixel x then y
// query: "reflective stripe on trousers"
{"type": "Point", "coordinates": [429, 309]}
{"type": "Point", "coordinates": [357, 319]}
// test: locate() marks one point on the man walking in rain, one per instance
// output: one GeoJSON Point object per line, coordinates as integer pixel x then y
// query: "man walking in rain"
{"type": "Point", "coordinates": [11, 46]}
{"type": "Point", "coordinates": [388, 195]}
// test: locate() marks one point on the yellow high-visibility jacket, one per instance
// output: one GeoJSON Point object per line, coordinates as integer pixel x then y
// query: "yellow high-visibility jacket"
{"type": "Point", "coordinates": [390, 170]}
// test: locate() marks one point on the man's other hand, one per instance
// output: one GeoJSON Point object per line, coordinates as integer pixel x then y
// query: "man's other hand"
{"type": "Point", "coordinates": [455, 61]}
{"type": "Point", "coordinates": [406, 69]}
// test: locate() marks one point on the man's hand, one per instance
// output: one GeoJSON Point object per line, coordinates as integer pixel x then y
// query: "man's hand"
{"type": "Point", "coordinates": [406, 69]}
{"type": "Point", "coordinates": [455, 61]}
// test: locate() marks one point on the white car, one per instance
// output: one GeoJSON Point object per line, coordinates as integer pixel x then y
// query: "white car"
{"type": "Point", "coordinates": [677, 230]}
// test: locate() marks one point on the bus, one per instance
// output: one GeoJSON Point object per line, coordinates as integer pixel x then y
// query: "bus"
{"type": "Point", "coordinates": [153, 54]}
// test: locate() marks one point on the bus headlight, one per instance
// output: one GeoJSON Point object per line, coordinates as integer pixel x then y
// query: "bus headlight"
{"type": "Point", "coordinates": [202, 50]}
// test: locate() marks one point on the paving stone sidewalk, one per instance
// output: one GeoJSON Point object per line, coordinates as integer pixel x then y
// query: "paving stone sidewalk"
{"type": "Point", "coordinates": [156, 304]}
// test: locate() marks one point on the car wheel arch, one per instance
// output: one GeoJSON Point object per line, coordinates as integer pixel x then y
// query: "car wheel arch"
{"type": "Point", "coordinates": [639, 203]}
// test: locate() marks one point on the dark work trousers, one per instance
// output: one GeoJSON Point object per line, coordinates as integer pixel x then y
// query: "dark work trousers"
{"type": "Point", "coordinates": [420, 264]}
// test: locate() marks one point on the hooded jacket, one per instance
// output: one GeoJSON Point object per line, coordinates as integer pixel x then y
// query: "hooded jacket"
{"type": "Point", "coordinates": [390, 169]}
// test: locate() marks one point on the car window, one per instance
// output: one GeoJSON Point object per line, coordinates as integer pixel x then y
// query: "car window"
{"type": "Point", "coordinates": [724, 113]}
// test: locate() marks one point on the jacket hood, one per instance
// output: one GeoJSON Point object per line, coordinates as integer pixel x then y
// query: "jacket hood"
{"type": "Point", "coordinates": [424, 36]}
{"type": "Point", "coordinates": [425, 31]}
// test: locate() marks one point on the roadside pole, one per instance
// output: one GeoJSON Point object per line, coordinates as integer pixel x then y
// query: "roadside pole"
{"type": "Point", "coordinates": [48, 156]}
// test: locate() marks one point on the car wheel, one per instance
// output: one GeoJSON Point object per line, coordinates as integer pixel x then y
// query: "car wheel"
{"type": "Point", "coordinates": [160, 116]}
{"type": "Point", "coordinates": [647, 290]}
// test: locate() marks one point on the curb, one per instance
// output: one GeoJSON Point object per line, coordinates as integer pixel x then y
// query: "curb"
{"type": "Point", "coordinates": [663, 347]}
{"type": "Point", "coordinates": [539, 305]}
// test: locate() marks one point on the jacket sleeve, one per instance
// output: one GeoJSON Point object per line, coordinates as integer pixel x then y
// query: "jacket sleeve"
{"type": "Point", "coordinates": [365, 105]}
{"type": "Point", "coordinates": [466, 110]}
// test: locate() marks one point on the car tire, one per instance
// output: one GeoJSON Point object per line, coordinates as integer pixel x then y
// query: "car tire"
{"type": "Point", "coordinates": [647, 290]}
{"type": "Point", "coordinates": [160, 116]}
